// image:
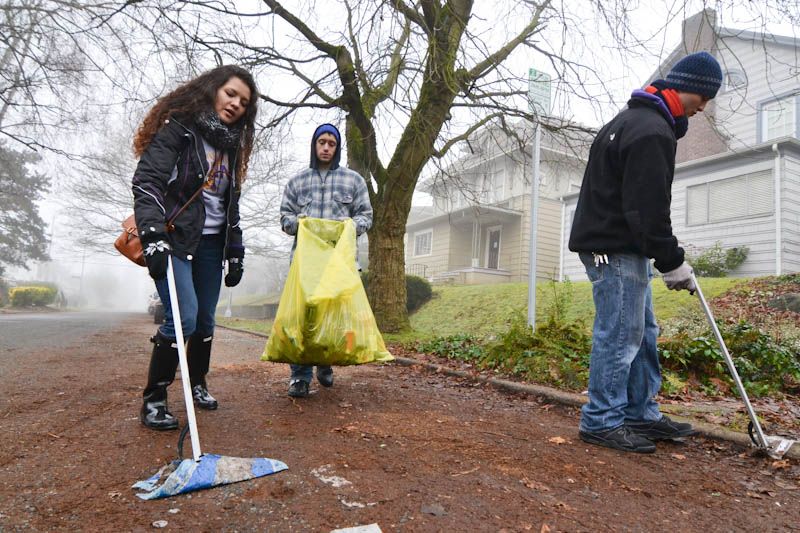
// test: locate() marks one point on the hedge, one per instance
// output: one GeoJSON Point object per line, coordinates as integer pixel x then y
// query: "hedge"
{"type": "Point", "coordinates": [32, 296]}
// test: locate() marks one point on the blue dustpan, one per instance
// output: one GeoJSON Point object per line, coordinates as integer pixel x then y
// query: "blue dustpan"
{"type": "Point", "coordinates": [202, 471]}
{"type": "Point", "coordinates": [187, 475]}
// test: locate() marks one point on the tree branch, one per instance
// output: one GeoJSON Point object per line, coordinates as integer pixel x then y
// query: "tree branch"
{"type": "Point", "coordinates": [464, 136]}
{"type": "Point", "coordinates": [495, 59]}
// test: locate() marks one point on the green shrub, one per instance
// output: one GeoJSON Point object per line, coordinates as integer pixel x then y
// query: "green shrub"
{"type": "Point", "coordinates": [763, 365]}
{"type": "Point", "coordinates": [3, 292]}
{"type": "Point", "coordinates": [558, 353]}
{"type": "Point", "coordinates": [464, 347]}
{"type": "Point", "coordinates": [716, 262]}
{"type": "Point", "coordinates": [32, 296]}
{"type": "Point", "coordinates": [418, 291]}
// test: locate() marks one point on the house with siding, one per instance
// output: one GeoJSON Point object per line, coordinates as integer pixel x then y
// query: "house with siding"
{"type": "Point", "coordinates": [479, 226]}
{"type": "Point", "coordinates": [737, 178]}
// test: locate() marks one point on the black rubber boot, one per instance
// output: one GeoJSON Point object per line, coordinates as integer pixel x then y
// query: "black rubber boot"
{"type": "Point", "coordinates": [163, 364]}
{"type": "Point", "coordinates": [199, 357]}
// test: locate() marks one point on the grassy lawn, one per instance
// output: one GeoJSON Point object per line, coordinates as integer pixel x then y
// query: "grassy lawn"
{"type": "Point", "coordinates": [258, 326]}
{"type": "Point", "coordinates": [486, 309]}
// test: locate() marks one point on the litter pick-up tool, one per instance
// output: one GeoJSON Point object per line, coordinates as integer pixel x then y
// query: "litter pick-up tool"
{"type": "Point", "coordinates": [202, 471]}
{"type": "Point", "coordinates": [774, 446]}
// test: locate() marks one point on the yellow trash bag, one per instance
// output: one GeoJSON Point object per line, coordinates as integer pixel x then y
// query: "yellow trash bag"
{"type": "Point", "coordinates": [324, 317]}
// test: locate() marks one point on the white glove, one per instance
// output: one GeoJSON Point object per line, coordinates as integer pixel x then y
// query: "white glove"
{"type": "Point", "coordinates": [680, 278]}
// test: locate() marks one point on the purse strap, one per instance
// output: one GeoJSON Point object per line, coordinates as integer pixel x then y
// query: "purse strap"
{"type": "Point", "coordinates": [209, 179]}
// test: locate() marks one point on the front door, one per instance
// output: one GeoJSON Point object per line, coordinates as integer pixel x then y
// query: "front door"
{"type": "Point", "coordinates": [493, 261]}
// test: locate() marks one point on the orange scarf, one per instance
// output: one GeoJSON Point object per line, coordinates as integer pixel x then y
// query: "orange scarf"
{"type": "Point", "coordinates": [671, 98]}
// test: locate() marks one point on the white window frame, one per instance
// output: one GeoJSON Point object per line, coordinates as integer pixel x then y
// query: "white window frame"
{"type": "Point", "coordinates": [489, 230]}
{"type": "Point", "coordinates": [791, 101]}
{"type": "Point", "coordinates": [430, 245]}
{"type": "Point", "coordinates": [707, 199]}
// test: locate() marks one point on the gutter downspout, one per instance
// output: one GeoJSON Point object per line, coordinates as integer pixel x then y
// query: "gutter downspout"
{"type": "Point", "coordinates": [561, 242]}
{"type": "Point", "coordinates": [776, 172]}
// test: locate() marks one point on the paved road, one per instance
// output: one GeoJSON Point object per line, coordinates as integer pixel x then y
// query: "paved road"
{"type": "Point", "coordinates": [24, 331]}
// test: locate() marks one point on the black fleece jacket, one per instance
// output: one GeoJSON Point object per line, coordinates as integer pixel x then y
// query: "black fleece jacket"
{"type": "Point", "coordinates": [171, 169]}
{"type": "Point", "coordinates": [624, 203]}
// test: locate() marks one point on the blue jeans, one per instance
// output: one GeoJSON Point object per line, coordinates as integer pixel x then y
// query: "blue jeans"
{"type": "Point", "coordinates": [198, 283]}
{"type": "Point", "coordinates": [624, 372]}
{"type": "Point", "coordinates": [306, 372]}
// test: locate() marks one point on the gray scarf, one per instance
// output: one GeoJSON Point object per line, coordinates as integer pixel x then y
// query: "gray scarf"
{"type": "Point", "coordinates": [218, 134]}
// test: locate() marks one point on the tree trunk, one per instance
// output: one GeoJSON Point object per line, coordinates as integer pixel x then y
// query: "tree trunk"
{"type": "Point", "coordinates": [387, 280]}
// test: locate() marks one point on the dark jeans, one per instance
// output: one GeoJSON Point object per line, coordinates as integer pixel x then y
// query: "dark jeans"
{"type": "Point", "coordinates": [198, 283]}
{"type": "Point", "coordinates": [306, 372]}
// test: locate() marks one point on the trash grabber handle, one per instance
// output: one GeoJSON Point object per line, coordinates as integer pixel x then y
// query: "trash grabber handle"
{"type": "Point", "coordinates": [182, 360]}
{"type": "Point", "coordinates": [762, 439]}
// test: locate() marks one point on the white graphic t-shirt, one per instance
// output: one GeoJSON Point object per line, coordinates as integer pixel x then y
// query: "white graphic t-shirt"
{"type": "Point", "coordinates": [215, 189]}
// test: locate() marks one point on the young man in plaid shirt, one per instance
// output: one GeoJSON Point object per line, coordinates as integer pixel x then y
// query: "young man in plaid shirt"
{"type": "Point", "coordinates": [324, 190]}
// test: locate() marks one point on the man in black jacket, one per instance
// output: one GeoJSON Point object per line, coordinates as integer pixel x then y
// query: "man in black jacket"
{"type": "Point", "coordinates": [621, 222]}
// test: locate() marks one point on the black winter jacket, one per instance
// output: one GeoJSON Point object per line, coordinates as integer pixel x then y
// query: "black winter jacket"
{"type": "Point", "coordinates": [171, 169]}
{"type": "Point", "coordinates": [624, 203]}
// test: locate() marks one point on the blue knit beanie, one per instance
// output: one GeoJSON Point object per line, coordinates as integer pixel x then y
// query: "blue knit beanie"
{"type": "Point", "coordinates": [697, 73]}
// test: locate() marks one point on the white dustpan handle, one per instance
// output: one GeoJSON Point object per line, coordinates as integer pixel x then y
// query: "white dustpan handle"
{"type": "Point", "coordinates": [729, 361]}
{"type": "Point", "coordinates": [184, 363]}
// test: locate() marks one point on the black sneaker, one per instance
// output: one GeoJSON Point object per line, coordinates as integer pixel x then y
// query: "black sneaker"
{"type": "Point", "coordinates": [663, 429]}
{"type": "Point", "coordinates": [325, 376]}
{"type": "Point", "coordinates": [298, 388]}
{"type": "Point", "coordinates": [619, 438]}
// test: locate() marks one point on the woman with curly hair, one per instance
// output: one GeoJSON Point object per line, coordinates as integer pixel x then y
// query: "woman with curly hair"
{"type": "Point", "coordinates": [194, 146]}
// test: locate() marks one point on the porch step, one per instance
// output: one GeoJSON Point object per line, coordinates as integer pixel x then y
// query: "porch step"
{"type": "Point", "coordinates": [445, 278]}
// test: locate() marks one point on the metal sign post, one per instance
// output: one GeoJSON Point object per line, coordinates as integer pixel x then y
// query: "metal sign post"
{"type": "Point", "coordinates": [539, 104]}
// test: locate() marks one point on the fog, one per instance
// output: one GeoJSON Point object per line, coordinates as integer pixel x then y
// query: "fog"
{"type": "Point", "coordinates": [110, 282]}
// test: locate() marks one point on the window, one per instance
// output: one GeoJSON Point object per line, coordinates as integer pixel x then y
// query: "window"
{"type": "Point", "coordinates": [778, 118]}
{"type": "Point", "coordinates": [422, 243]}
{"type": "Point", "coordinates": [499, 185]}
{"type": "Point", "coordinates": [746, 196]}
{"type": "Point", "coordinates": [734, 79]}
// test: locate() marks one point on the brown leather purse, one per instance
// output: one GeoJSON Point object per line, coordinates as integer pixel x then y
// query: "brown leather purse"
{"type": "Point", "coordinates": [128, 243]}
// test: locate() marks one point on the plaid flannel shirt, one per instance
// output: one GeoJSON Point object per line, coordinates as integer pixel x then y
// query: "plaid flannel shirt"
{"type": "Point", "coordinates": [343, 194]}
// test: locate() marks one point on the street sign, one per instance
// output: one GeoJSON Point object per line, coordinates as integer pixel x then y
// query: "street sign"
{"type": "Point", "coordinates": [538, 92]}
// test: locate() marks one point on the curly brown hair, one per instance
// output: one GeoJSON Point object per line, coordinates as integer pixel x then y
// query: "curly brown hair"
{"type": "Point", "coordinates": [197, 96]}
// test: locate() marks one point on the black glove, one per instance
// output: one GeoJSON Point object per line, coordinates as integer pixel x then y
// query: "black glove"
{"type": "Point", "coordinates": [235, 271]}
{"type": "Point", "coordinates": [156, 253]}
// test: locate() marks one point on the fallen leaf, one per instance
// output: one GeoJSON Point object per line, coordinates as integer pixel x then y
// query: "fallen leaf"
{"type": "Point", "coordinates": [535, 485]}
{"type": "Point", "coordinates": [344, 429]}
{"type": "Point", "coordinates": [545, 529]}
{"type": "Point", "coordinates": [557, 440]}
{"type": "Point", "coordinates": [678, 456]}
{"type": "Point", "coordinates": [786, 485]}
{"type": "Point", "coordinates": [781, 464]}
{"type": "Point", "coordinates": [562, 505]}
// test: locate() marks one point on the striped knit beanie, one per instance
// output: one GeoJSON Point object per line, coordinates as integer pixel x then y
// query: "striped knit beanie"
{"type": "Point", "coordinates": [697, 73]}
